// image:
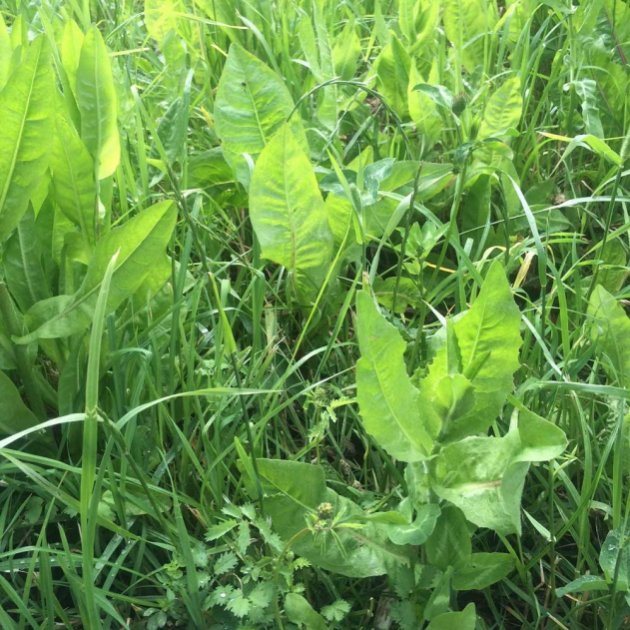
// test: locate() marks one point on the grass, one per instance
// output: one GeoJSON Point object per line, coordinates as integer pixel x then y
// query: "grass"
{"type": "Point", "coordinates": [143, 518]}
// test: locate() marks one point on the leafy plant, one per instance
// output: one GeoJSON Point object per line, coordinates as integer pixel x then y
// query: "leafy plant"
{"type": "Point", "coordinates": [454, 475]}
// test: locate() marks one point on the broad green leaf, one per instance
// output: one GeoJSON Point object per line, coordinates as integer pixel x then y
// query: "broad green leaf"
{"type": "Point", "coordinates": [449, 545]}
{"type": "Point", "coordinates": [141, 241]}
{"type": "Point", "coordinates": [346, 51]}
{"type": "Point", "coordinates": [481, 476]}
{"type": "Point", "coordinates": [417, 532]}
{"type": "Point", "coordinates": [251, 104]}
{"type": "Point", "coordinates": [300, 612]}
{"type": "Point", "coordinates": [393, 411]}
{"type": "Point", "coordinates": [14, 414]}
{"type": "Point", "coordinates": [610, 332]}
{"type": "Point", "coordinates": [583, 584]}
{"type": "Point", "coordinates": [340, 213]}
{"type": "Point", "coordinates": [19, 31]}
{"type": "Point", "coordinates": [294, 491]}
{"type": "Point", "coordinates": [454, 397]}
{"type": "Point", "coordinates": [614, 558]}
{"type": "Point", "coordinates": [6, 52]}
{"type": "Point", "coordinates": [483, 570]}
{"type": "Point", "coordinates": [515, 17]}
{"type": "Point", "coordinates": [73, 177]}
{"type": "Point", "coordinates": [26, 106]}
{"type": "Point", "coordinates": [418, 20]}
{"type": "Point", "coordinates": [288, 215]}
{"type": "Point", "coordinates": [70, 47]}
{"type": "Point", "coordinates": [588, 92]}
{"type": "Point", "coordinates": [467, 24]}
{"type": "Point", "coordinates": [96, 98]}
{"type": "Point", "coordinates": [135, 503]}
{"type": "Point", "coordinates": [540, 440]}
{"type": "Point", "coordinates": [23, 269]}
{"type": "Point", "coordinates": [462, 620]}
{"type": "Point", "coordinates": [303, 483]}
{"type": "Point", "coordinates": [503, 110]}
{"type": "Point", "coordinates": [489, 340]}
{"type": "Point", "coordinates": [423, 110]}
{"type": "Point", "coordinates": [313, 36]}
{"type": "Point", "coordinates": [615, 271]}
{"type": "Point", "coordinates": [392, 75]}
{"type": "Point", "coordinates": [484, 476]}
{"type": "Point", "coordinates": [405, 289]}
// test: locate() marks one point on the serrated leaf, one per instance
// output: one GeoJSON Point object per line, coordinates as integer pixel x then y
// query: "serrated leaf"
{"type": "Point", "coordinates": [224, 563]}
{"type": "Point", "coordinates": [503, 110]}
{"type": "Point", "coordinates": [336, 611]}
{"type": "Point", "coordinates": [239, 605]}
{"type": "Point", "coordinates": [393, 411]}
{"type": "Point", "coordinates": [288, 215]}
{"type": "Point", "coordinates": [26, 106]}
{"type": "Point", "coordinates": [251, 104]}
{"type": "Point", "coordinates": [97, 102]}
{"type": "Point", "coordinates": [214, 532]}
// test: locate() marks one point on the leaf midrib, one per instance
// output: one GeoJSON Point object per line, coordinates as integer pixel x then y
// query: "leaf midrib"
{"type": "Point", "coordinates": [18, 144]}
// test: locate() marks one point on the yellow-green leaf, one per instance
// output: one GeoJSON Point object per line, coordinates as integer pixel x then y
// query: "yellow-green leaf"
{"type": "Point", "coordinates": [610, 331]}
{"type": "Point", "coordinates": [26, 106]}
{"type": "Point", "coordinates": [393, 411]}
{"type": "Point", "coordinates": [503, 110]}
{"type": "Point", "coordinates": [252, 103]}
{"type": "Point", "coordinates": [96, 98]}
{"type": "Point", "coordinates": [288, 215]}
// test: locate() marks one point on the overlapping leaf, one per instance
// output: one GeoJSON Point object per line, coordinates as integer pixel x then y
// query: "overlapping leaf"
{"type": "Point", "coordinates": [393, 411]}
{"type": "Point", "coordinates": [503, 110]}
{"type": "Point", "coordinates": [26, 106]}
{"type": "Point", "coordinates": [97, 101]}
{"type": "Point", "coordinates": [140, 242]}
{"type": "Point", "coordinates": [484, 476]}
{"type": "Point", "coordinates": [251, 104]}
{"type": "Point", "coordinates": [288, 215]}
{"type": "Point", "coordinates": [610, 331]}
{"type": "Point", "coordinates": [294, 491]}
{"type": "Point", "coordinates": [488, 341]}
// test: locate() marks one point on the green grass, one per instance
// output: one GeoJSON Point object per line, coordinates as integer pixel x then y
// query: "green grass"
{"type": "Point", "coordinates": [132, 508]}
